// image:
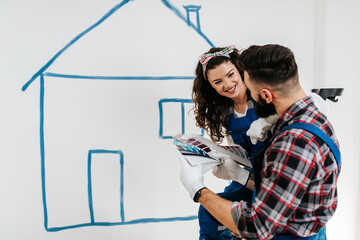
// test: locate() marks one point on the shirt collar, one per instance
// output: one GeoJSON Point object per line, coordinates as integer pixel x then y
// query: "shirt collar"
{"type": "Point", "coordinates": [294, 110]}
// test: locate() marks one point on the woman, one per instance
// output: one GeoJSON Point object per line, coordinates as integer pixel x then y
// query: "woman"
{"type": "Point", "coordinates": [224, 108]}
{"type": "Point", "coordinates": [221, 98]}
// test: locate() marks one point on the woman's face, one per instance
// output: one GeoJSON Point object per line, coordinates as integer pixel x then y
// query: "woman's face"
{"type": "Point", "coordinates": [226, 80]}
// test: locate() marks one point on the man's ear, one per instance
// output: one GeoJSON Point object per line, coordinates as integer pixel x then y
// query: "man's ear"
{"type": "Point", "coordinates": [267, 95]}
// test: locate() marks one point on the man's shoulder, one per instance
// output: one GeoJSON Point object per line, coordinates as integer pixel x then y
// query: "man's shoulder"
{"type": "Point", "coordinates": [296, 134]}
{"type": "Point", "coordinates": [294, 138]}
{"type": "Point", "coordinates": [303, 144]}
{"type": "Point", "coordinates": [310, 114]}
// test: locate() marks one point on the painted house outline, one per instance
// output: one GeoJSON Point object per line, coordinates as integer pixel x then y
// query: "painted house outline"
{"type": "Point", "coordinates": [42, 73]}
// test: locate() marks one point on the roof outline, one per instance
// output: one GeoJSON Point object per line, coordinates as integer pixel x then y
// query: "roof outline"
{"type": "Point", "coordinates": [167, 3]}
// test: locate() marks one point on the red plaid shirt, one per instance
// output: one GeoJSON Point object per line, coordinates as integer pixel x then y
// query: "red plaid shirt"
{"type": "Point", "coordinates": [297, 193]}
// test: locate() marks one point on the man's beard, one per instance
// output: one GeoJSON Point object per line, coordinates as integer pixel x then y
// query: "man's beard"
{"type": "Point", "coordinates": [264, 109]}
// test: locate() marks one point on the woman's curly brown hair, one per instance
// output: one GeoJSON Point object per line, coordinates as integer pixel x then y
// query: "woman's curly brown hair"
{"type": "Point", "coordinates": [211, 109]}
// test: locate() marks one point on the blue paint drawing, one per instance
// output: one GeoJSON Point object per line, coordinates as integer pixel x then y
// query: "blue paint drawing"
{"type": "Point", "coordinates": [121, 203]}
{"type": "Point", "coordinates": [193, 9]}
{"type": "Point", "coordinates": [106, 16]}
{"type": "Point", "coordinates": [45, 73]}
{"type": "Point", "coordinates": [180, 129]}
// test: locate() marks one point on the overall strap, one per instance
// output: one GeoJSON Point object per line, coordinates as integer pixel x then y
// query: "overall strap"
{"type": "Point", "coordinates": [321, 134]}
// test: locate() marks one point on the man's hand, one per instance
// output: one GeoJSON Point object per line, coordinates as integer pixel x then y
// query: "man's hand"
{"type": "Point", "coordinates": [230, 170]}
{"type": "Point", "coordinates": [192, 176]}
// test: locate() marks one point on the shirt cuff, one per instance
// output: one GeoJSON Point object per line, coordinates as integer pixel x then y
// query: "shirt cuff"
{"type": "Point", "coordinates": [236, 213]}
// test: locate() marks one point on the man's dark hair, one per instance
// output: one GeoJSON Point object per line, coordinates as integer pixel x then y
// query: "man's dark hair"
{"type": "Point", "coordinates": [269, 64]}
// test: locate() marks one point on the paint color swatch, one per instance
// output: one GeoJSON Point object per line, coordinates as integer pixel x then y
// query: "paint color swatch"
{"type": "Point", "coordinates": [197, 145]}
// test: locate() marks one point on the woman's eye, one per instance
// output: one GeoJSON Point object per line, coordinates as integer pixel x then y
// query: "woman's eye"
{"type": "Point", "coordinates": [231, 74]}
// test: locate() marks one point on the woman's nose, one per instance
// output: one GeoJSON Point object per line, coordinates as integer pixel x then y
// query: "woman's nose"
{"type": "Point", "coordinates": [228, 83]}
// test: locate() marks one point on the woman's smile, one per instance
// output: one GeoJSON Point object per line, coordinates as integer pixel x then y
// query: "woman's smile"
{"type": "Point", "coordinates": [231, 90]}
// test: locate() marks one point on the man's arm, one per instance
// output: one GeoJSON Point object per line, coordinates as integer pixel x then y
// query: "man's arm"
{"type": "Point", "coordinates": [219, 207]}
{"type": "Point", "coordinates": [260, 220]}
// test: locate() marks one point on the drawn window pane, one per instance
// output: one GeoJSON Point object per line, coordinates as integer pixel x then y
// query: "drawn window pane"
{"type": "Point", "coordinates": [171, 123]}
{"type": "Point", "coordinates": [190, 123]}
{"type": "Point", "coordinates": [106, 187]}
{"type": "Point", "coordinates": [176, 117]}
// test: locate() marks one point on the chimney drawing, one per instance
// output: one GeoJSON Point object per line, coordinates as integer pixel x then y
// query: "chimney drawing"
{"type": "Point", "coordinates": [192, 11]}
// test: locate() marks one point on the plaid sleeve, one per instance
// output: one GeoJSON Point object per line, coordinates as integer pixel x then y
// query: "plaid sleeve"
{"type": "Point", "coordinates": [287, 171]}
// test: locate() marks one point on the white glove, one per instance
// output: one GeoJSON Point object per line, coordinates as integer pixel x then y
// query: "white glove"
{"type": "Point", "coordinates": [320, 103]}
{"type": "Point", "coordinates": [192, 177]}
{"type": "Point", "coordinates": [230, 170]}
{"type": "Point", "coordinates": [259, 128]}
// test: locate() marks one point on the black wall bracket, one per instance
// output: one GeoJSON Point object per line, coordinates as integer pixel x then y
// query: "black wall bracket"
{"type": "Point", "coordinates": [329, 93]}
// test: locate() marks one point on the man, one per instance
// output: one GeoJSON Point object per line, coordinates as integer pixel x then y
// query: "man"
{"type": "Point", "coordinates": [295, 175]}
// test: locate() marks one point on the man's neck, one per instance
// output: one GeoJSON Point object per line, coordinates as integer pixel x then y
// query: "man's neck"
{"type": "Point", "coordinates": [283, 103]}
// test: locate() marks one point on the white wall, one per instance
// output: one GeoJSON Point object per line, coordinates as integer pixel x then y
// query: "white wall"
{"type": "Point", "coordinates": [323, 35]}
{"type": "Point", "coordinates": [341, 69]}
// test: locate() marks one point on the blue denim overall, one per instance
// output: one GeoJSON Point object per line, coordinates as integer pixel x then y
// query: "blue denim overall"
{"type": "Point", "coordinates": [237, 127]}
